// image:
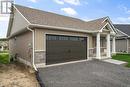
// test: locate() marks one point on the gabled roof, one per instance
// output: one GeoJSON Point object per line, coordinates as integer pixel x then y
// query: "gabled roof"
{"type": "Point", "coordinates": [42, 19]}
{"type": "Point", "coordinates": [125, 28]}
{"type": "Point", "coordinates": [35, 16]}
{"type": "Point", "coordinates": [120, 33]}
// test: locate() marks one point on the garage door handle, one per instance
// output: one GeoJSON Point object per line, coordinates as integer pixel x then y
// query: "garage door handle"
{"type": "Point", "coordinates": [69, 51]}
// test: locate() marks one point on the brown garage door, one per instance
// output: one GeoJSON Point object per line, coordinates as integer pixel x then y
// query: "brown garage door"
{"type": "Point", "coordinates": [61, 49]}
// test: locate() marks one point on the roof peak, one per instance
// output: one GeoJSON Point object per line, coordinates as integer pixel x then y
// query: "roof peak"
{"type": "Point", "coordinates": [103, 18]}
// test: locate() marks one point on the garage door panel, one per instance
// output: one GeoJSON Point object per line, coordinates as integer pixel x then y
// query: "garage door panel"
{"type": "Point", "coordinates": [65, 49]}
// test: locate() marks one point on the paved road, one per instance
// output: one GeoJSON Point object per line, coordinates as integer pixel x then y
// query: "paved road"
{"type": "Point", "coordinates": [86, 74]}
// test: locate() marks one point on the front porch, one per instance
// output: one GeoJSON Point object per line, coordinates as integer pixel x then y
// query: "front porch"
{"type": "Point", "coordinates": [92, 52]}
{"type": "Point", "coordinates": [103, 45]}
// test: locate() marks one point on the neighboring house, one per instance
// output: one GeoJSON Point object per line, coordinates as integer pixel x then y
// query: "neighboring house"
{"type": "Point", "coordinates": [42, 38]}
{"type": "Point", "coordinates": [123, 38]}
{"type": "Point", "coordinates": [3, 44]}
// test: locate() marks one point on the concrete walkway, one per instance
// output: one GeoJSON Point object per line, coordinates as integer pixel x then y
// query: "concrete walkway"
{"type": "Point", "coordinates": [115, 61]}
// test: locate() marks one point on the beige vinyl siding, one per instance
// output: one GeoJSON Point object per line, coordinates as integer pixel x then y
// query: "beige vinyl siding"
{"type": "Point", "coordinates": [90, 41]}
{"type": "Point", "coordinates": [102, 42]}
{"type": "Point", "coordinates": [40, 37]}
{"type": "Point", "coordinates": [22, 45]}
{"type": "Point", "coordinates": [12, 46]}
{"type": "Point", "coordinates": [18, 23]}
{"type": "Point", "coordinates": [94, 42]}
{"type": "Point", "coordinates": [105, 32]}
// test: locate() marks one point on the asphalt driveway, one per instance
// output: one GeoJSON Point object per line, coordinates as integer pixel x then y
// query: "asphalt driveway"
{"type": "Point", "coordinates": [85, 74]}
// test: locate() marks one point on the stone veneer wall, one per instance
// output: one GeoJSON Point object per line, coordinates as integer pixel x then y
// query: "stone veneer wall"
{"type": "Point", "coordinates": [40, 57]}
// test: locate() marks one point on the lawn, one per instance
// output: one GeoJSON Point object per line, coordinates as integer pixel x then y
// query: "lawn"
{"type": "Point", "coordinates": [123, 57]}
{"type": "Point", "coordinates": [4, 58]}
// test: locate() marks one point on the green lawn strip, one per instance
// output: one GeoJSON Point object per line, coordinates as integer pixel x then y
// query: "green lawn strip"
{"type": "Point", "coordinates": [4, 58]}
{"type": "Point", "coordinates": [123, 57]}
{"type": "Point", "coordinates": [5, 51]}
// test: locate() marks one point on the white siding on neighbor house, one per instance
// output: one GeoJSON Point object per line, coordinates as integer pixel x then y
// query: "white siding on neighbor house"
{"type": "Point", "coordinates": [18, 23]}
{"type": "Point", "coordinates": [128, 42]}
{"type": "Point", "coordinates": [121, 45]}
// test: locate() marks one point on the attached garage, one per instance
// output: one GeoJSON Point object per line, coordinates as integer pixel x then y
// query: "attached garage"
{"type": "Point", "coordinates": [55, 38]}
{"type": "Point", "coordinates": [60, 49]}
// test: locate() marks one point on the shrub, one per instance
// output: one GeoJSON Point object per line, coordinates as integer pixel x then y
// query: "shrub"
{"type": "Point", "coordinates": [4, 58]}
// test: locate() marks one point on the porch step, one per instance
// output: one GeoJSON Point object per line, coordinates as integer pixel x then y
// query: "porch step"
{"type": "Point", "coordinates": [118, 62]}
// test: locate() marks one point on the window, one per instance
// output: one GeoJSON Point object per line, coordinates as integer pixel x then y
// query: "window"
{"type": "Point", "coordinates": [63, 38]}
{"type": "Point", "coordinates": [74, 38]}
{"type": "Point", "coordinates": [81, 39]}
{"type": "Point", "coordinates": [52, 37]}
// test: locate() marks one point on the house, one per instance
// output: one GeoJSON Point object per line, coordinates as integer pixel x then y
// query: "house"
{"type": "Point", "coordinates": [40, 38]}
{"type": "Point", "coordinates": [122, 39]}
{"type": "Point", "coordinates": [3, 44]}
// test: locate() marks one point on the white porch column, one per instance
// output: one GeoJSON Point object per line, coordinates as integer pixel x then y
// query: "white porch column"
{"type": "Point", "coordinates": [98, 52]}
{"type": "Point", "coordinates": [108, 46]}
{"type": "Point", "coordinates": [113, 45]}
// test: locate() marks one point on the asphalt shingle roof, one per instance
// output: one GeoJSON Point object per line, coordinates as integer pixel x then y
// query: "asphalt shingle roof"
{"type": "Point", "coordinates": [35, 16]}
{"type": "Point", "coordinates": [125, 28]}
{"type": "Point", "coordinates": [119, 33]}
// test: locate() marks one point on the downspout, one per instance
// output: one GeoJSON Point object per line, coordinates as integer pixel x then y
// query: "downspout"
{"type": "Point", "coordinates": [33, 47]}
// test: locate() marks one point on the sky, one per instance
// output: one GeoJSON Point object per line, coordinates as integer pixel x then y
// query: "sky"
{"type": "Point", "coordinates": [117, 10]}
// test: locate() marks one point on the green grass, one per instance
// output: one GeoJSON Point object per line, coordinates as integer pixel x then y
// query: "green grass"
{"type": "Point", "coordinates": [123, 57]}
{"type": "Point", "coordinates": [5, 51]}
{"type": "Point", "coordinates": [4, 58]}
